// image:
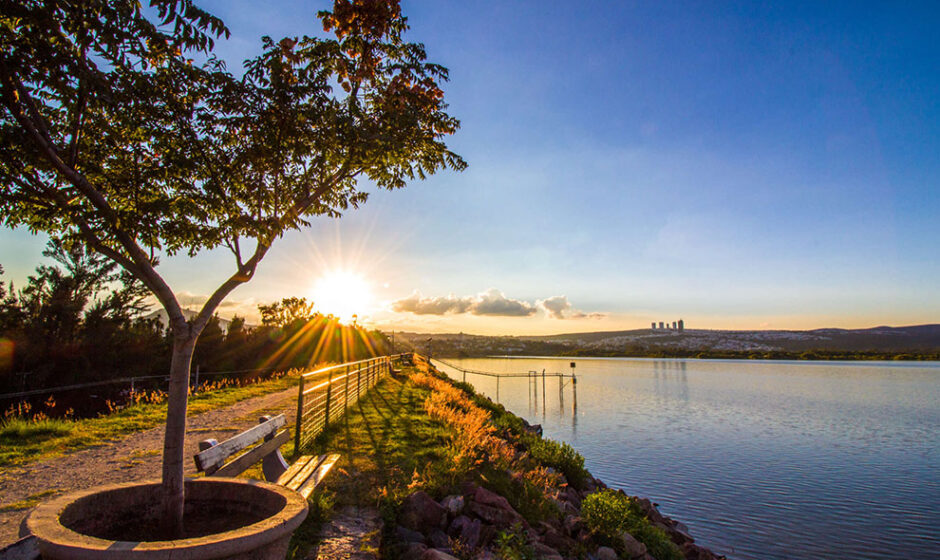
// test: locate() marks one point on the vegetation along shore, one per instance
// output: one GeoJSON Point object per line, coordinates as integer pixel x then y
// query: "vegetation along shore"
{"type": "Point", "coordinates": [455, 475]}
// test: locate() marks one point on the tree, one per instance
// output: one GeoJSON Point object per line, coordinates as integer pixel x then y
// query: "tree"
{"type": "Point", "coordinates": [115, 139]}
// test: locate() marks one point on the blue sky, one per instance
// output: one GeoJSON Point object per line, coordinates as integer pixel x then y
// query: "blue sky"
{"type": "Point", "coordinates": [737, 165]}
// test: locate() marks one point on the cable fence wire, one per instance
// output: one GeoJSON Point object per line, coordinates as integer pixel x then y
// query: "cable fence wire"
{"type": "Point", "coordinates": [130, 381]}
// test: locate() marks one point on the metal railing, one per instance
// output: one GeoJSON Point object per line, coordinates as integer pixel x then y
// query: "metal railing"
{"type": "Point", "coordinates": [324, 395]}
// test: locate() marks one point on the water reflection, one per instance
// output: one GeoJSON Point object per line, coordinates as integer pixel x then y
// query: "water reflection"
{"type": "Point", "coordinates": [745, 453]}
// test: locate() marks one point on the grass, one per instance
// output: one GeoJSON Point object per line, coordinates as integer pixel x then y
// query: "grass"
{"type": "Point", "coordinates": [29, 501]}
{"type": "Point", "coordinates": [25, 440]}
{"type": "Point", "coordinates": [388, 446]}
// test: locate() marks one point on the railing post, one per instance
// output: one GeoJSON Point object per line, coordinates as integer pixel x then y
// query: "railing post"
{"type": "Point", "coordinates": [346, 389]}
{"type": "Point", "coordinates": [329, 394]}
{"type": "Point", "coordinates": [358, 381]}
{"type": "Point", "coordinates": [298, 424]}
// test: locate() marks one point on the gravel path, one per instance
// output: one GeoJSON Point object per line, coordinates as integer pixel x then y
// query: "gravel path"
{"type": "Point", "coordinates": [136, 457]}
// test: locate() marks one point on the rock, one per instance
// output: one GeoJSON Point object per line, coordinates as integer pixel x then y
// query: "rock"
{"type": "Point", "coordinates": [532, 428]}
{"type": "Point", "coordinates": [434, 554]}
{"type": "Point", "coordinates": [420, 512]}
{"type": "Point", "coordinates": [486, 497]}
{"type": "Point", "coordinates": [559, 542]}
{"type": "Point", "coordinates": [405, 534]}
{"type": "Point", "coordinates": [411, 551]}
{"type": "Point", "coordinates": [571, 495]}
{"type": "Point", "coordinates": [545, 552]}
{"type": "Point", "coordinates": [695, 552]}
{"type": "Point", "coordinates": [484, 555]}
{"type": "Point", "coordinates": [632, 547]}
{"type": "Point", "coordinates": [467, 530]}
{"type": "Point", "coordinates": [606, 553]}
{"type": "Point", "coordinates": [439, 539]}
{"type": "Point", "coordinates": [494, 516]}
{"type": "Point", "coordinates": [493, 508]}
{"type": "Point", "coordinates": [573, 525]}
{"type": "Point", "coordinates": [453, 504]}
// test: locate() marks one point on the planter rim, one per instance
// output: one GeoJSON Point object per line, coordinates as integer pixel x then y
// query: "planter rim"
{"type": "Point", "coordinates": [43, 523]}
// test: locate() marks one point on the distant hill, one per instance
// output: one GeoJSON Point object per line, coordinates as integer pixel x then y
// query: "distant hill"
{"type": "Point", "coordinates": [919, 339]}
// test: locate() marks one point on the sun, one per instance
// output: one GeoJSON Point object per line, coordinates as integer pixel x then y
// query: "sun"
{"type": "Point", "coordinates": [342, 294]}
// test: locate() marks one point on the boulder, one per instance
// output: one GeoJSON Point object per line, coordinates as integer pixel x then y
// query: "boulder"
{"type": "Point", "coordinates": [606, 553]}
{"type": "Point", "coordinates": [483, 496]}
{"type": "Point", "coordinates": [411, 551]}
{"type": "Point", "coordinates": [632, 547]}
{"type": "Point", "coordinates": [545, 552]}
{"type": "Point", "coordinates": [419, 512]}
{"type": "Point", "coordinates": [695, 552]}
{"type": "Point", "coordinates": [439, 539]}
{"type": "Point", "coordinates": [494, 516]}
{"type": "Point", "coordinates": [493, 509]}
{"type": "Point", "coordinates": [467, 530]}
{"type": "Point", "coordinates": [453, 504]}
{"type": "Point", "coordinates": [434, 554]}
{"type": "Point", "coordinates": [573, 525]}
{"type": "Point", "coordinates": [407, 535]}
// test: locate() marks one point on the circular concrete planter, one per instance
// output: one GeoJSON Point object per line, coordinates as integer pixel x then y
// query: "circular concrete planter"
{"type": "Point", "coordinates": [65, 526]}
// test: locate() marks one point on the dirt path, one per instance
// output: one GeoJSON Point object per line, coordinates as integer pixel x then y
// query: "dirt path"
{"type": "Point", "coordinates": [136, 457]}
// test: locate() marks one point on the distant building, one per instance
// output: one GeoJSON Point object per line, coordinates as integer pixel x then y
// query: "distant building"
{"type": "Point", "coordinates": [681, 326]}
{"type": "Point", "coordinates": [674, 325]}
{"type": "Point", "coordinates": [662, 325]}
{"type": "Point", "coordinates": [653, 325]}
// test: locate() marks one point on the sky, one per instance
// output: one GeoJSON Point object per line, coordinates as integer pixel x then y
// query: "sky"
{"type": "Point", "coordinates": [737, 165]}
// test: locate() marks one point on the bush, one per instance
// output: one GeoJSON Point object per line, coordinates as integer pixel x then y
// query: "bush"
{"type": "Point", "coordinates": [609, 513]}
{"type": "Point", "coordinates": [512, 545]}
{"type": "Point", "coordinates": [561, 457]}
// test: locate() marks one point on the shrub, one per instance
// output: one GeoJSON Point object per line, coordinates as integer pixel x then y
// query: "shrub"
{"type": "Point", "coordinates": [609, 513]}
{"type": "Point", "coordinates": [561, 457]}
{"type": "Point", "coordinates": [511, 545]}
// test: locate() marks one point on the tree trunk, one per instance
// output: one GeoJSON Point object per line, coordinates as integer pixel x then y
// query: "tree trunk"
{"type": "Point", "coordinates": [183, 347]}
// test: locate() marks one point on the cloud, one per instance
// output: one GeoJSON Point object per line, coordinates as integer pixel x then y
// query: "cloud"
{"type": "Point", "coordinates": [491, 302]}
{"type": "Point", "coordinates": [558, 307]}
{"type": "Point", "coordinates": [432, 306]}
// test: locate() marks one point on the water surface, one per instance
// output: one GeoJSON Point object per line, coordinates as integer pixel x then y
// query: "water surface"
{"type": "Point", "coordinates": [761, 459]}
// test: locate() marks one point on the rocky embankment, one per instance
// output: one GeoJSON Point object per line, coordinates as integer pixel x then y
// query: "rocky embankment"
{"type": "Point", "coordinates": [471, 521]}
{"type": "Point", "coordinates": [574, 519]}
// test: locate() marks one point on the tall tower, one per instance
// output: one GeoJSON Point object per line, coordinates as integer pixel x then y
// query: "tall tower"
{"type": "Point", "coordinates": [653, 325]}
{"type": "Point", "coordinates": [674, 326]}
{"type": "Point", "coordinates": [681, 326]}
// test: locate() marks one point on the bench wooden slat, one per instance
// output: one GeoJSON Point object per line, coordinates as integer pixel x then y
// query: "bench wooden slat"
{"type": "Point", "coordinates": [246, 460]}
{"type": "Point", "coordinates": [308, 463]}
{"type": "Point", "coordinates": [322, 470]}
{"type": "Point", "coordinates": [292, 470]}
{"type": "Point", "coordinates": [212, 458]}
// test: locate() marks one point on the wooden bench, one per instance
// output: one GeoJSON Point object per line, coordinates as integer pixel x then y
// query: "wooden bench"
{"type": "Point", "coordinates": [267, 438]}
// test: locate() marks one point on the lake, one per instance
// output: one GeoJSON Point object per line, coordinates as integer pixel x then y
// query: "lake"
{"type": "Point", "coordinates": [761, 459]}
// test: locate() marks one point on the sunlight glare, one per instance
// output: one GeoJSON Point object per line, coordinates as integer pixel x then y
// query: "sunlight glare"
{"type": "Point", "coordinates": [342, 294]}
